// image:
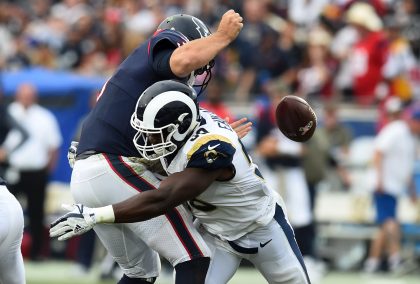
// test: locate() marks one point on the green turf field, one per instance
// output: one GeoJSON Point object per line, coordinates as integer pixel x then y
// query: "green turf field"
{"type": "Point", "coordinates": [61, 273]}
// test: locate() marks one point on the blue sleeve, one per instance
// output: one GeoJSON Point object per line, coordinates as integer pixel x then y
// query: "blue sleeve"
{"type": "Point", "coordinates": [161, 47]}
{"type": "Point", "coordinates": [168, 38]}
{"type": "Point", "coordinates": [211, 152]}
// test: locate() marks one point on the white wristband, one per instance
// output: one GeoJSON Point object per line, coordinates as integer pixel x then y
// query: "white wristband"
{"type": "Point", "coordinates": [104, 214]}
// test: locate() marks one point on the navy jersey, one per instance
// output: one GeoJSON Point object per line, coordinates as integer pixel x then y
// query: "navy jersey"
{"type": "Point", "coordinates": [107, 128]}
{"type": "Point", "coordinates": [2, 182]}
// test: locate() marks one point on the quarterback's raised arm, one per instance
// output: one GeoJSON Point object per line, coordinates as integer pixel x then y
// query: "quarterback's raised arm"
{"type": "Point", "coordinates": [200, 52]}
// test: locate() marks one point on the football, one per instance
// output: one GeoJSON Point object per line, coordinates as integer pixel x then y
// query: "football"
{"type": "Point", "coordinates": [295, 118]}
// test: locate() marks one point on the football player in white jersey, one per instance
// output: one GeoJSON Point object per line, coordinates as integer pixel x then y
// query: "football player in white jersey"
{"type": "Point", "coordinates": [238, 215]}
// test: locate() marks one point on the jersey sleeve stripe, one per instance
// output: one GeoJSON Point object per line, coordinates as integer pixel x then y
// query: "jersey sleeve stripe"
{"type": "Point", "coordinates": [203, 140]}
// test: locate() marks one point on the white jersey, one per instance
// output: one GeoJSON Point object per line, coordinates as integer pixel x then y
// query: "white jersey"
{"type": "Point", "coordinates": [228, 209]}
{"type": "Point", "coordinates": [397, 144]}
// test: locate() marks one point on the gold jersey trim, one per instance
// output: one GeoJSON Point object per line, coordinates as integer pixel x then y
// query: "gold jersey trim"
{"type": "Point", "coordinates": [203, 140]}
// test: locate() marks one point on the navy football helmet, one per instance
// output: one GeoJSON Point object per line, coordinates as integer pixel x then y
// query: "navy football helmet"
{"type": "Point", "coordinates": [165, 115]}
{"type": "Point", "coordinates": [192, 28]}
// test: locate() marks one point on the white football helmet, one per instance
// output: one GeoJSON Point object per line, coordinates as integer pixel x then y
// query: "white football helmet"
{"type": "Point", "coordinates": [165, 116]}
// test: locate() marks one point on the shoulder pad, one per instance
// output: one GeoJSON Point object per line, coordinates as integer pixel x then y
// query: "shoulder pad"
{"type": "Point", "coordinates": [175, 37]}
{"type": "Point", "coordinates": [211, 151]}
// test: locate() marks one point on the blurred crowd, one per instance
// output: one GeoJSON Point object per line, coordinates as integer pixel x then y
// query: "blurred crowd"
{"type": "Point", "coordinates": [328, 51]}
{"type": "Point", "coordinates": [359, 51]}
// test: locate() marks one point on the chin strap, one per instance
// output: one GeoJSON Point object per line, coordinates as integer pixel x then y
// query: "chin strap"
{"type": "Point", "coordinates": [207, 78]}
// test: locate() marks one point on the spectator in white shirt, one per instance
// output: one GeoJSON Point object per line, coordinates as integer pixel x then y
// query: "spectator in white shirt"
{"type": "Point", "coordinates": [394, 158]}
{"type": "Point", "coordinates": [306, 12]}
{"type": "Point", "coordinates": [35, 159]}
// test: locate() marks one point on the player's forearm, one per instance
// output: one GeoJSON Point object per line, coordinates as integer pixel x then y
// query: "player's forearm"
{"type": "Point", "coordinates": [197, 53]}
{"type": "Point", "coordinates": [173, 191]}
{"type": "Point", "coordinates": [377, 163]}
{"type": "Point", "coordinates": [141, 207]}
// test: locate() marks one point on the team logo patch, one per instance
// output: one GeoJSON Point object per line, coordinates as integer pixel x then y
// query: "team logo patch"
{"type": "Point", "coordinates": [201, 31]}
{"type": "Point", "coordinates": [211, 155]}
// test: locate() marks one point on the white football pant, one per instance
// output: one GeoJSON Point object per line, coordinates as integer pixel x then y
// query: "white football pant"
{"type": "Point", "coordinates": [104, 179]}
{"type": "Point", "coordinates": [12, 270]}
{"type": "Point", "coordinates": [272, 249]}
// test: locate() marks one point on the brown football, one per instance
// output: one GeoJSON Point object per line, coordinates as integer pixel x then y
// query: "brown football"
{"type": "Point", "coordinates": [295, 118]}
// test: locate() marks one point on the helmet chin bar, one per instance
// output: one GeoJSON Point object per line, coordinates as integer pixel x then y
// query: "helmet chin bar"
{"type": "Point", "coordinates": [154, 151]}
{"type": "Point", "coordinates": [163, 127]}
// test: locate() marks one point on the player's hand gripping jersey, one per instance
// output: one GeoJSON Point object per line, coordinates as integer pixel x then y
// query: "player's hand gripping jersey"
{"type": "Point", "coordinates": [231, 208]}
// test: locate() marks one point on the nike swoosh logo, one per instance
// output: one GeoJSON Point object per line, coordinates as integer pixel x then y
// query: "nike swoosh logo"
{"type": "Point", "coordinates": [212, 147]}
{"type": "Point", "coordinates": [264, 244]}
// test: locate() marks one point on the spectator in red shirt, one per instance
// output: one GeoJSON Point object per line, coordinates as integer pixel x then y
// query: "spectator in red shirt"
{"type": "Point", "coordinates": [368, 55]}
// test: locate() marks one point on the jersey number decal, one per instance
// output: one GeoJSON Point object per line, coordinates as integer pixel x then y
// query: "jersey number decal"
{"type": "Point", "coordinates": [248, 158]}
{"type": "Point", "coordinates": [199, 132]}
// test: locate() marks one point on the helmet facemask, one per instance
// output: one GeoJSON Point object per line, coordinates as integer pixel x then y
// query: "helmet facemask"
{"type": "Point", "coordinates": [206, 69]}
{"type": "Point", "coordinates": [153, 143]}
{"type": "Point", "coordinates": [164, 122]}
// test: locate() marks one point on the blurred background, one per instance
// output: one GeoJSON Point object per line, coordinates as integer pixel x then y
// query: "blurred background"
{"type": "Point", "coordinates": [356, 63]}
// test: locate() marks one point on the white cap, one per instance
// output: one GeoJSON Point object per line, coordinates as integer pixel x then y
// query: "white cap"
{"type": "Point", "coordinates": [363, 14]}
{"type": "Point", "coordinates": [319, 36]}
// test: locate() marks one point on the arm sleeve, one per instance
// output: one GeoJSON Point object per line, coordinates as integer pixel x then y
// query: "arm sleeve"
{"type": "Point", "coordinates": [161, 47]}
{"type": "Point", "coordinates": [384, 140]}
{"type": "Point", "coordinates": [160, 59]}
{"type": "Point", "coordinates": [211, 152]}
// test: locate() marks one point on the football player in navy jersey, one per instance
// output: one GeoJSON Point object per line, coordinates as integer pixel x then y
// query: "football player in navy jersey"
{"type": "Point", "coordinates": [107, 167]}
{"type": "Point", "coordinates": [181, 48]}
{"type": "Point", "coordinates": [239, 216]}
